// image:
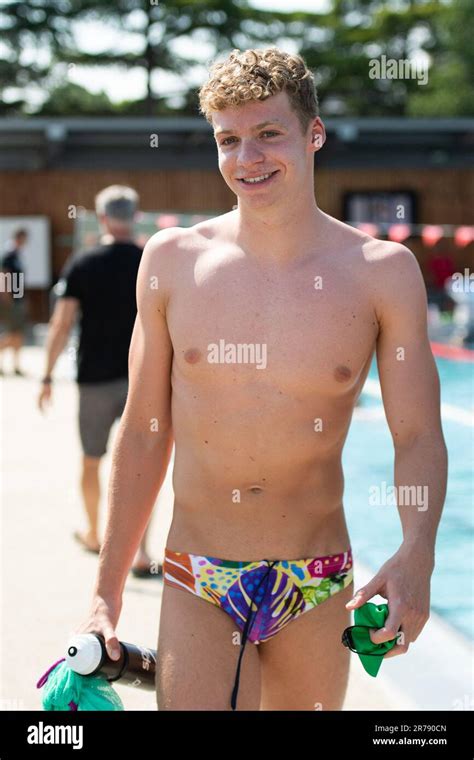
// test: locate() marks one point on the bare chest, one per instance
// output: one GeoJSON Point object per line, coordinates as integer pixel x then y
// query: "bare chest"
{"type": "Point", "coordinates": [313, 330]}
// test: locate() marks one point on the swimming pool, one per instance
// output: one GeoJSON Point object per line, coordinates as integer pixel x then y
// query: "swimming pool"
{"type": "Point", "coordinates": [376, 530]}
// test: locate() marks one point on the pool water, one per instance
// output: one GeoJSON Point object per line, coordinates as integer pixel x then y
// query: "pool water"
{"type": "Point", "coordinates": [376, 530]}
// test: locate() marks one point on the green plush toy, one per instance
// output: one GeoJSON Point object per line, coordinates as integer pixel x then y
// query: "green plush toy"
{"type": "Point", "coordinates": [67, 690]}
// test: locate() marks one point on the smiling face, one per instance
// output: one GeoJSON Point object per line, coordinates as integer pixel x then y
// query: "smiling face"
{"type": "Point", "coordinates": [263, 141]}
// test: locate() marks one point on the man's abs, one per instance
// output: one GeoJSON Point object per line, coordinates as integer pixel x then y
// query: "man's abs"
{"type": "Point", "coordinates": [256, 481]}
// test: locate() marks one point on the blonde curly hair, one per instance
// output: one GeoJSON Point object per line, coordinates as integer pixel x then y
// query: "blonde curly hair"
{"type": "Point", "coordinates": [256, 75]}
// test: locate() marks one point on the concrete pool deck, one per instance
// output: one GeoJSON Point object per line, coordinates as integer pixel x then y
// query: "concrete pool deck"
{"type": "Point", "coordinates": [47, 578]}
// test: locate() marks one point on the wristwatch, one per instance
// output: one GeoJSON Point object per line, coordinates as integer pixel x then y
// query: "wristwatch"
{"type": "Point", "coordinates": [47, 379]}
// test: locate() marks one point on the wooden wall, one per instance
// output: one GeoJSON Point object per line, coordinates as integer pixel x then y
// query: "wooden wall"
{"type": "Point", "coordinates": [444, 196]}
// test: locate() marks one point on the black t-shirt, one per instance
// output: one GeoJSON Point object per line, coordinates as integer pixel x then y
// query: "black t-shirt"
{"type": "Point", "coordinates": [103, 280]}
{"type": "Point", "coordinates": [11, 262]}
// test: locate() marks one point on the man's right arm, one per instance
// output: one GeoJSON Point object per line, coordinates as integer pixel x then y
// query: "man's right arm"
{"type": "Point", "coordinates": [144, 439]}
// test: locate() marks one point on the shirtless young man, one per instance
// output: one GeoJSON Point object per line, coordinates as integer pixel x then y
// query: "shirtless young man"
{"type": "Point", "coordinates": [254, 335]}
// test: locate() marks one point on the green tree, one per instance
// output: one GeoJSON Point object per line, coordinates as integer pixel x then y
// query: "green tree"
{"type": "Point", "coordinates": [70, 99]}
{"type": "Point", "coordinates": [30, 32]}
{"type": "Point", "coordinates": [338, 45]}
{"type": "Point", "coordinates": [450, 90]}
{"type": "Point", "coordinates": [358, 32]}
{"type": "Point", "coordinates": [222, 23]}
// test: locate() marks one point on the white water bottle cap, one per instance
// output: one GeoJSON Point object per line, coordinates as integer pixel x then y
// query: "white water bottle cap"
{"type": "Point", "coordinates": [84, 653]}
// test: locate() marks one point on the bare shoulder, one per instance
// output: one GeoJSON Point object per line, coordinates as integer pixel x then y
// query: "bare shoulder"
{"type": "Point", "coordinates": [386, 254]}
{"type": "Point", "coordinates": [389, 272]}
{"type": "Point", "coordinates": [153, 279]}
{"type": "Point", "coordinates": [176, 245]}
{"type": "Point", "coordinates": [370, 256]}
{"type": "Point", "coordinates": [164, 243]}
{"type": "Point", "coordinates": [170, 254]}
{"type": "Point", "coordinates": [183, 240]}
{"type": "Point", "coordinates": [395, 281]}
{"type": "Point", "coordinates": [165, 253]}
{"type": "Point", "coordinates": [391, 263]}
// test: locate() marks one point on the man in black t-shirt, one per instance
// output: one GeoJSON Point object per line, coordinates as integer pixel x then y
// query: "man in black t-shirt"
{"type": "Point", "coordinates": [13, 310]}
{"type": "Point", "coordinates": [100, 284]}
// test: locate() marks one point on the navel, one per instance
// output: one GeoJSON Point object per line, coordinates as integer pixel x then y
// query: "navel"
{"type": "Point", "coordinates": [342, 373]}
{"type": "Point", "coordinates": [192, 355]}
{"type": "Point", "coordinates": [256, 490]}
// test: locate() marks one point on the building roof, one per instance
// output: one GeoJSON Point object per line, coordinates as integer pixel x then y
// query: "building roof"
{"type": "Point", "coordinates": [125, 143]}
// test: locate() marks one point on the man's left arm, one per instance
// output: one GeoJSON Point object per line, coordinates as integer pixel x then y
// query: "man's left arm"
{"type": "Point", "coordinates": [60, 324]}
{"type": "Point", "coordinates": [411, 398]}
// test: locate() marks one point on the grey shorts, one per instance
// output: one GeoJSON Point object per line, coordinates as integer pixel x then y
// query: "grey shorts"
{"type": "Point", "coordinates": [100, 404]}
{"type": "Point", "coordinates": [14, 315]}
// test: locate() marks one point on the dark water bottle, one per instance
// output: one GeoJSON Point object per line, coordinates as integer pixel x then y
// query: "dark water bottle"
{"type": "Point", "coordinates": [86, 654]}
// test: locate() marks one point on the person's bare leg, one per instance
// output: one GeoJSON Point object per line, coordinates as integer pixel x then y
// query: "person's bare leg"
{"type": "Point", "coordinates": [5, 342]}
{"type": "Point", "coordinates": [16, 344]}
{"type": "Point", "coordinates": [197, 657]}
{"type": "Point", "coordinates": [142, 559]}
{"type": "Point", "coordinates": [90, 487]}
{"type": "Point", "coordinates": [305, 666]}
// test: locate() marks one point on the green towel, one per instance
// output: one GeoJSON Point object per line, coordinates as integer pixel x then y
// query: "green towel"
{"type": "Point", "coordinates": [373, 616]}
{"type": "Point", "coordinates": [66, 690]}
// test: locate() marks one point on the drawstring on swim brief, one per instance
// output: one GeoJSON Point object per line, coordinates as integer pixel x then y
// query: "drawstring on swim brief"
{"type": "Point", "coordinates": [247, 628]}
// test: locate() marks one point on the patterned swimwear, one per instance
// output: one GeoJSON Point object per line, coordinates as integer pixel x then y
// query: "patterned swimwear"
{"type": "Point", "coordinates": [262, 596]}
